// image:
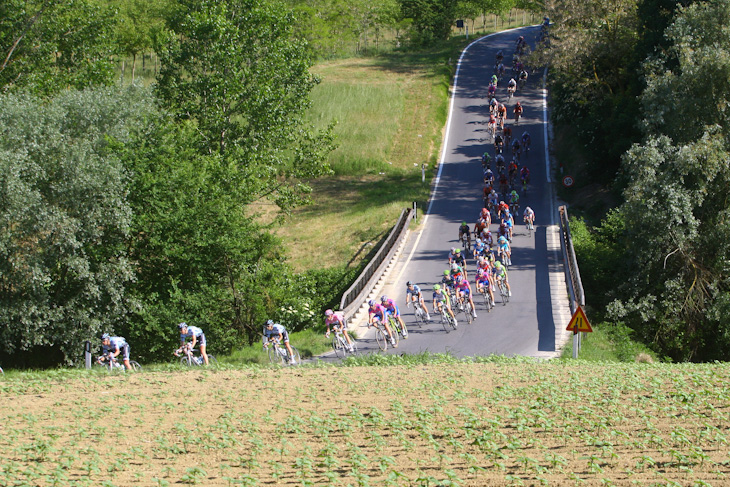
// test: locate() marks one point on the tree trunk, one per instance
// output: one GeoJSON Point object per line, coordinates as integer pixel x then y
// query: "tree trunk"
{"type": "Point", "coordinates": [134, 65]}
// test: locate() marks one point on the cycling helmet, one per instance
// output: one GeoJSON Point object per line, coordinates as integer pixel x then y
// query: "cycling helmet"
{"type": "Point", "coordinates": [522, 38]}
{"type": "Point", "coordinates": [463, 223]}
{"type": "Point", "coordinates": [498, 264]}
{"type": "Point", "coordinates": [329, 313]}
{"type": "Point", "coordinates": [409, 284]}
{"type": "Point", "coordinates": [454, 267]}
{"type": "Point", "coordinates": [528, 209]}
{"type": "Point", "coordinates": [383, 298]}
{"type": "Point", "coordinates": [105, 336]}
{"type": "Point", "coordinates": [453, 250]}
{"type": "Point", "coordinates": [182, 325]}
{"type": "Point", "coordinates": [458, 279]}
{"type": "Point", "coordinates": [458, 251]}
{"type": "Point", "coordinates": [514, 192]}
{"type": "Point", "coordinates": [446, 273]}
{"type": "Point", "coordinates": [502, 239]}
{"type": "Point", "coordinates": [371, 302]}
{"type": "Point", "coordinates": [269, 322]}
{"type": "Point", "coordinates": [436, 287]}
{"type": "Point", "coordinates": [518, 104]}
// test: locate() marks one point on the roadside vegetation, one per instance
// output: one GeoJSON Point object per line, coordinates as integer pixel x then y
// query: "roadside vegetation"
{"type": "Point", "coordinates": [651, 169]}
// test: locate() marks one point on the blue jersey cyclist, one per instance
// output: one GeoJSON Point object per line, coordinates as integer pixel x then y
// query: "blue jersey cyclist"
{"type": "Point", "coordinates": [504, 251]}
{"type": "Point", "coordinates": [277, 332]}
{"type": "Point", "coordinates": [112, 347]}
{"type": "Point", "coordinates": [196, 336]}
{"type": "Point", "coordinates": [392, 309]}
{"type": "Point", "coordinates": [413, 294]}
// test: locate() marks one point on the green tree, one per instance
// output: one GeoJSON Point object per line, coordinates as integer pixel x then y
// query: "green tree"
{"type": "Point", "coordinates": [50, 45]}
{"type": "Point", "coordinates": [432, 19]}
{"type": "Point", "coordinates": [64, 219]}
{"type": "Point", "coordinates": [235, 71]}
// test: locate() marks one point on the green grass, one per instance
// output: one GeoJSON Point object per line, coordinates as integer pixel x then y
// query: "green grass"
{"type": "Point", "coordinates": [610, 343]}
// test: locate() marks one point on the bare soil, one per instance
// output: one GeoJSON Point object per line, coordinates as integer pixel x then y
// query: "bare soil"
{"type": "Point", "coordinates": [504, 423]}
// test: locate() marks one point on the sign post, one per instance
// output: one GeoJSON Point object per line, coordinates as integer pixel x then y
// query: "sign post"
{"type": "Point", "coordinates": [578, 323]}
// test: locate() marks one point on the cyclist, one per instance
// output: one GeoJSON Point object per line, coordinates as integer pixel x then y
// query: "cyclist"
{"type": "Point", "coordinates": [447, 281]}
{"type": "Point", "coordinates": [197, 337]}
{"type": "Point", "coordinates": [452, 255]}
{"type": "Point", "coordinates": [503, 182]}
{"type": "Point", "coordinates": [498, 144]}
{"type": "Point", "coordinates": [511, 86]}
{"type": "Point", "coordinates": [441, 298]}
{"type": "Point", "coordinates": [491, 91]}
{"type": "Point", "coordinates": [514, 201]}
{"type": "Point", "coordinates": [502, 209]}
{"type": "Point", "coordinates": [479, 248]}
{"type": "Point", "coordinates": [392, 309]}
{"type": "Point", "coordinates": [499, 163]}
{"type": "Point", "coordinates": [518, 112]}
{"type": "Point", "coordinates": [504, 250]}
{"type": "Point", "coordinates": [526, 140]}
{"type": "Point", "coordinates": [456, 271]}
{"type": "Point", "coordinates": [487, 238]}
{"type": "Point", "coordinates": [463, 288]}
{"type": "Point", "coordinates": [493, 105]}
{"type": "Point", "coordinates": [499, 57]}
{"type": "Point", "coordinates": [522, 78]}
{"type": "Point", "coordinates": [524, 175]}
{"type": "Point", "coordinates": [512, 172]}
{"type": "Point", "coordinates": [492, 124]}
{"type": "Point", "coordinates": [508, 220]}
{"type": "Point", "coordinates": [516, 148]}
{"type": "Point", "coordinates": [460, 259]}
{"type": "Point", "coordinates": [483, 281]}
{"type": "Point", "coordinates": [464, 230]}
{"type": "Point", "coordinates": [337, 322]}
{"type": "Point", "coordinates": [500, 70]}
{"type": "Point", "coordinates": [277, 332]}
{"type": "Point", "coordinates": [493, 200]}
{"type": "Point", "coordinates": [480, 225]}
{"type": "Point", "coordinates": [494, 80]}
{"type": "Point", "coordinates": [113, 346]}
{"type": "Point", "coordinates": [507, 132]}
{"type": "Point", "coordinates": [500, 273]}
{"type": "Point", "coordinates": [503, 231]}
{"type": "Point", "coordinates": [529, 216]}
{"type": "Point", "coordinates": [413, 293]}
{"type": "Point", "coordinates": [486, 160]}
{"type": "Point", "coordinates": [488, 177]}
{"type": "Point", "coordinates": [376, 309]}
{"type": "Point", "coordinates": [501, 114]}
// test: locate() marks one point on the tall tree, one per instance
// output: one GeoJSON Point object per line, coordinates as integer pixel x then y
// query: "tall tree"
{"type": "Point", "coordinates": [237, 73]}
{"type": "Point", "coordinates": [432, 19]}
{"type": "Point", "coordinates": [50, 45]}
{"type": "Point", "coordinates": [64, 219]}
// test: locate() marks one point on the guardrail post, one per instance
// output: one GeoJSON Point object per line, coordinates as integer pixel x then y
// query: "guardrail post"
{"type": "Point", "coordinates": [415, 208]}
{"type": "Point", "coordinates": [87, 353]}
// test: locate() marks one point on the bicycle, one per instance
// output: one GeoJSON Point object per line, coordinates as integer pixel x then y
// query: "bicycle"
{"type": "Point", "coordinates": [487, 299]}
{"type": "Point", "coordinates": [524, 186]}
{"type": "Point", "coordinates": [466, 241]}
{"type": "Point", "coordinates": [503, 291]}
{"type": "Point", "coordinates": [188, 358]}
{"type": "Point", "coordinates": [530, 227]}
{"type": "Point", "coordinates": [419, 313]}
{"type": "Point", "coordinates": [279, 354]}
{"type": "Point", "coordinates": [111, 364]}
{"type": "Point", "coordinates": [466, 308]}
{"type": "Point", "coordinates": [340, 345]}
{"type": "Point", "coordinates": [396, 326]}
{"type": "Point", "coordinates": [447, 321]}
{"type": "Point", "coordinates": [382, 337]}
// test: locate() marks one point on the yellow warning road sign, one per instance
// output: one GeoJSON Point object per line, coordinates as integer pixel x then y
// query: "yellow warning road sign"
{"type": "Point", "coordinates": [579, 322]}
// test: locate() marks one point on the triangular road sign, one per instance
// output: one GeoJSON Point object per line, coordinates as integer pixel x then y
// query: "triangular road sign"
{"type": "Point", "coordinates": [579, 322]}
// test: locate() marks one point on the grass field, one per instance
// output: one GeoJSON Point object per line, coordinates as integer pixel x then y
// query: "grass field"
{"type": "Point", "coordinates": [416, 423]}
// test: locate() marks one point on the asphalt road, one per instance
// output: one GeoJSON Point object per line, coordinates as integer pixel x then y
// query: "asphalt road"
{"type": "Point", "coordinates": [525, 325]}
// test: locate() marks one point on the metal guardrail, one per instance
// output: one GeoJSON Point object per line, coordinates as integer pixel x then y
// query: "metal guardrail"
{"type": "Point", "coordinates": [353, 298]}
{"type": "Point", "coordinates": [572, 273]}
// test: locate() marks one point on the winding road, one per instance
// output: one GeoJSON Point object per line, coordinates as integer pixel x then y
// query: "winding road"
{"type": "Point", "coordinates": [527, 324]}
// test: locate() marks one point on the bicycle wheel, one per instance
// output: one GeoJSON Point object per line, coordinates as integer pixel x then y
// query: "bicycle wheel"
{"type": "Point", "coordinates": [381, 339]}
{"type": "Point", "coordinates": [339, 346]}
{"type": "Point", "coordinates": [297, 358]}
{"type": "Point", "coordinates": [420, 316]}
{"type": "Point", "coordinates": [452, 321]}
{"type": "Point", "coordinates": [354, 347]}
{"type": "Point", "coordinates": [503, 292]}
{"type": "Point", "coordinates": [135, 366]}
{"type": "Point", "coordinates": [468, 312]}
{"type": "Point", "coordinates": [275, 356]}
{"type": "Point", "coordinates": [212, 360]}
{"type": "Point", "coordinates": [445, 321]}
